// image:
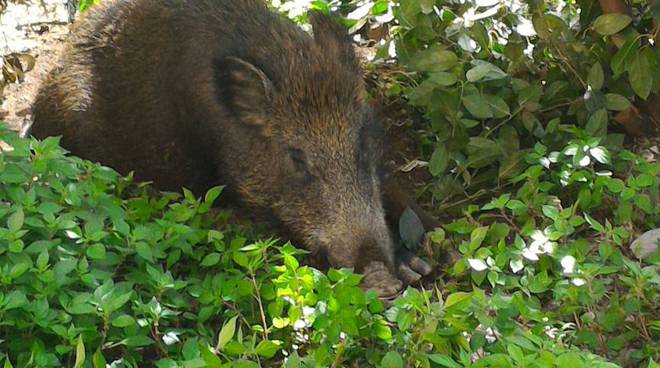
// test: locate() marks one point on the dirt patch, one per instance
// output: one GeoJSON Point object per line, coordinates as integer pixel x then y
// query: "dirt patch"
{"type": "Point", "coordinates": [38, 29]}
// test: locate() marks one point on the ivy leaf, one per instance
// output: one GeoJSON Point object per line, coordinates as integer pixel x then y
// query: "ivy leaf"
{"type": "Point", "coordinates": [597, 123]}
{"type": "Point", "coordinates": [596, 76]}
{"type": "Point", "coordinates": [392, 360]}
{"type": "Point", "coordinates": [609, 24]}
{"type": "Point", "coordinates": [485, 71]}
{"type": "Point", "coordinates": [476, 107]}
{"type": "Point", "coordinates": [443, 79]}
{"type": "Point", "coordinates": [226, 333]}
{"type": "Point", "coordinates": [434, 60]}
{"type": "Point", "coordinates": [98, 360]}
{"type": "Point", "coordinates": [80, 353]}
{"type": "Point", "coordinates": [641, 75]}
{"type": "Point", "coordinates": [15, 221]}
{"type": "Point", "coordinates": [439, 160]}
{"type": "Point", "coordinates": [622, 59]}
{"type": "Point", "coordinates": [617, 102]}
{"type": "Point", "coordinates": [498, 106]}
{"type": "Point", "coordinates": [268, 348]}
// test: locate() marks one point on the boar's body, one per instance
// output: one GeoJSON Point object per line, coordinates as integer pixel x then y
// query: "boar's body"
{"type": "Point", "coordinates": [194, 93]}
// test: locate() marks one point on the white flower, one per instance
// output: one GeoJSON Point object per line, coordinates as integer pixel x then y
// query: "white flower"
{"type": "Point", "coordinates": [578, 281]}
{"type": "Point", "coordinates": [585, 161]}
{"type": "Point", "coordinates": [568, 264]}
{"type": "Point", "coordinates": [299, 324]}
{"type": "Point", "coordinates": [516, 265]}
{"type": "Point", "coordinates": [545, 162]}
{"type": "Point", "coordinates": [171, 338]}
{"type": "Point", "coordinates": [527, 253]}
{"type": "Point", "coordinates": [308, 311]}
{"type": "Point", "coordinates": [538, 238]}
{"type": "Point", "coordinates": [360, 12]}
{"type": "Point", "coordinates": [477, 264]}
{"type": "Point", "coordinates": [525, 28]}
{"type": "Point", "coordinates": [600, 154]}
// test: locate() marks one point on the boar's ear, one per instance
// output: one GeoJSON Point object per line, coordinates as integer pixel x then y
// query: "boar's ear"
{"type": "Point", "coordinates": [245, 89]}
{"type": "Point", "coordinates": [329, 33]}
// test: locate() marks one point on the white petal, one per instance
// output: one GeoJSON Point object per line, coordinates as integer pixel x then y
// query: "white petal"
{"type": "Point", "coordinates": [360, 12]}
{"type": "Point", "coordinates": [526, 28]}
{"type": "Point", "coordinates": [490, 261]}
{"type": "Point", "coordinates": [71, 234]}
{"type": "Point", "coordinates": [568, 264]}
{"type": "Point", "coordinates": [170, 338]}
{"type": "Point", "coordinates": [585, 161]}
{"type": "Point", "coordinates": [527, 253]}
{"type": "Point", "coordinates": [545, 162]}
{"type": "Point", "coordinates": [600, 154]}
{"type": "Point", "coordinates": [578, 282]}
{"type": "Point", "coordinates": [516, 265]}
{"type": "Point", "coordinates": [548, 248]}
{"type": "Point", "coordinates": [538, 235]}
{"type": "Point", "coordinates": [477, 264]}
{"type": "Point", "coordinates": [486, 3]}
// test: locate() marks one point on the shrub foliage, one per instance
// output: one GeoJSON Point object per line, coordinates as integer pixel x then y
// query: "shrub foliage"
{"type": "Point", "coordinates": [524, 107]}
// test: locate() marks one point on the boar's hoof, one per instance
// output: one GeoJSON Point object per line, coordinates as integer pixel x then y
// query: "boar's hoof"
{"type": "Point", "coordinates": [449, 257]}
{"type": "Point", "coordinates": [411, 268]}
{"type": "Point", "coordinates": [378, 277]}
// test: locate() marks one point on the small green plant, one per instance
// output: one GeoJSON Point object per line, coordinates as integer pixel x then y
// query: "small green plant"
{"type": "Point", "coordinates": [95, 271]}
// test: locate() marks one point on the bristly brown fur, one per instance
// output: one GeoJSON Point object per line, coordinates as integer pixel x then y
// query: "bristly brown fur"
{"type": "Point", "coordinates": [196, 93]}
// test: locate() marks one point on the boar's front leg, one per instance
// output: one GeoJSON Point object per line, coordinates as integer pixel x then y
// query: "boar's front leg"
{"type": "Point", "coordinates": [410, 268]}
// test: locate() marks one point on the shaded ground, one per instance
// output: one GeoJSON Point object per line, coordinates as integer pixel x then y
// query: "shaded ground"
{"type": "Point", "coordinates": [36, 28]}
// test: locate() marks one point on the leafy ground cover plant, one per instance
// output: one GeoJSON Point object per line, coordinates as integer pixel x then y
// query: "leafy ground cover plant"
{"type": "Point", "coordinates": [98, 271]}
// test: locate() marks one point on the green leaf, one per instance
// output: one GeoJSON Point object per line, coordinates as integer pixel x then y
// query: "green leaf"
{"type": "Point", "coordinates": [96, 251]}
{"type": "Point", "coordinates": [460, 300]}
{"type": "Point", "coordinates": [15, 220]}
{"type": "Point", "coordinates": [434, 60]}
{"type": "Point", "coordinates": [484, 72]}
{"type": "Point", "coordinates": [596, 77]}
{"type": "Point", "coordinates": [443, 79]}
{"type": "Point", "coordinates": [444, 361]}
{"type": "Point", "coordinates": [640, 75]}
{"type": "Point", "coordinates": [226, 333]}
{"type": "Point", "coordinates": [439, 160]}
{"type": "Point", "coordinates": [392, 360]}
{"type": "Point", "coordinates": [426, 6]}
{"type": "Point", "coordinates": [643, 201]}
{"type": "Point", "coordinates": [137, 341]}
{"type": "Point", "coordinates": [597, 123]}
{"type": "Point", "coordinates": [477, 107]}
{"type": "Point", "coordinates": [80, 353]}
{"type": "Point", "coordinates": [144, 250]}
{"type": "Point", "coordinates": [477, 237]}
{"type": "Point", "coordinates": [623, 58]}
{"type": "Point", "coordinates": [211, 260]}
{"type": "Point", "coordinates": [617, 102]}
{"type": "Point", "coordinates": [211, 360]}
{"type": "Point", "coordinates": [498, 106]}
{"type": "Point", "coordinates": [571, 359]}
{"type": "Point", "coordinates": [124, 320]}
{"type": "Point", "coordinates": [268, 348]}
{"type": "Point", "coordinates": [98, 360]}
{"type": "Point", "coordinates": [609, 24]}
{"type": "Point", "coordinates": [482, 152]}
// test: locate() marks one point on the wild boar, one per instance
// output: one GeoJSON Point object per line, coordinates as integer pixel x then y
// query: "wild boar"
{"type": "Point", "coordinates": [198, 93]}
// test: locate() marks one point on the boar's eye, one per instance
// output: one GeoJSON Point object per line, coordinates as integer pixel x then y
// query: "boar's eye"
{"type": "Point", "coordinates": [299, 163]}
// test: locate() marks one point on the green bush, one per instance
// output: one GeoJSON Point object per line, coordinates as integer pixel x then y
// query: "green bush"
{"type": "Point", "coordinates": [95, 271]}
{"type": "Point", "coordinates": [517, 102]}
